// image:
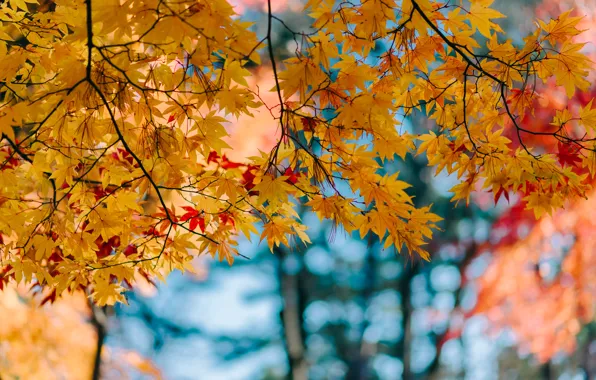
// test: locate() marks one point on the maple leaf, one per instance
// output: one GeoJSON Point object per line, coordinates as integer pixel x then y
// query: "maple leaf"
{"type": "Point", "coordinates": [276, 232]}
{"type": "Point", "coordinates": [248, 178]}
{"type": "Point", "coordinates": [480, 16]}
{"type": "Point", "coordinates": [568, 154]}
{"type": "Point", "coordinates": [273, 189]}
{"type": "Point", "coordinates": [226, 218]}
{"type": "Point", "coordinates": [227, 164]}
{"type": "Point", "coordinates": [588, 115]}
{"type": "Point", "coordinates": [212, 157]}
{"type": "Point", "coordinates": [197, 221]}
{"type": "Point", "coordinates": [562, 28]}
{"type": "Point", "coordinates": [194, 217]}
{"type": "Point", "coordinates": [502, 191]}
{"type": "Point", "coordinates": [130, 249]}
{"type": "Point", "coordinates": [308, 123]}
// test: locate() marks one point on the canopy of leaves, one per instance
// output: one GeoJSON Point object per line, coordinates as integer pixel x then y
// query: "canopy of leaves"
{"type": "Point", "coordinates": [113, 130]}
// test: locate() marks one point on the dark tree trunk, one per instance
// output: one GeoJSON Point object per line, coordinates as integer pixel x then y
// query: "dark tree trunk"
{"type": "Point", "coordinates": [463, 264]}
{"type": "Point", "coordinates": [359, 361]}
{"type": "Point", "coordinates": [406, 303]}
{"type": "Point", "coordinates": [292, 293]}
{"type": "Point", "coordinates": [98, 320]}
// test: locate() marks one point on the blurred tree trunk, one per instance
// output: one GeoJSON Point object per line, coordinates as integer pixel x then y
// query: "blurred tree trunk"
{"type": "Point", "coordinates": [98, 320]}
{"type": "Point", "coordinates": [588, 359]}
{"type": "Point", "coordinates": [293, 298]}
{"type": "Point", "coordinates": [469, 254]}
{"type": "Point", "coordinates": [358, 366]}
{"type": "Point", "coordinates": [406, 304]}
{"type": "Point", "coordinates": [546, 371]}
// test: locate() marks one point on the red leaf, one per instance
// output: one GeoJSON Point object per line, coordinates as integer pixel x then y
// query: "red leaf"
{"type": "Point", "coordinates": [227, 164]}
{"type": "Point", "coordinates": [151, 231]}
{"type": "Point", "coordinates": [292, 176]}
{"type": "Point", "coordinates": [568, 154]}
{"type": "Point", "coordinates": [308, 123]}
{"type": "Point", "coordinates": [187, 216]}
{"type": "Point", "coordinates": [130, 249]}
{"type": "Point", "coordinates": [104, 250]}
{"type": "Point", "coordinates": [114, 241]}
{"type": "Point", "coordinates": [193, 223]}
{"type": "Point", "coordinates": [197, 221]}
{"type": "Point", "coordinates": [55, 256]}
{"type": "Point", "coordinates": [213, 156]}
{"type": "Point", "coordinates": [10, 163]}
{"type": "Point", "coordinates": [248, 178]}
{"type": "Point", "coordinates": [172, 118]}
{"type": "Point", "coordinates": [190, 214]}
{"type": "Point", "coordinates": [530, 188]}
{"type": "Point", "coordinates": [3, 278]}
{"type": "Point", "coordinates": [225, 218]}
{"type": "Point", "coordinates": [99, 193]}
{"type": "Point", "coordinates": [501, 191]}
{"type": "Point", "coordinates": [124, 154]}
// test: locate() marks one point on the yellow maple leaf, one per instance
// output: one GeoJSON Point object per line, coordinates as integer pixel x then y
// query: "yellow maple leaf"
{"type": "Point", "coordinates": [480, 16]}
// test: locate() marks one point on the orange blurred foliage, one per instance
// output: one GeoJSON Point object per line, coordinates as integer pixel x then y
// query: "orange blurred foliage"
{"type": "Point", "coordinates": [543, 286]}
{"type": "Point", "coordinates": [249, 134]}
{"type": "Point", "coordinates": [50, 342]}
{"type": "Point", "coordinates": [542, 278]}
{"type": "Point", "coordinates": [56, 341]}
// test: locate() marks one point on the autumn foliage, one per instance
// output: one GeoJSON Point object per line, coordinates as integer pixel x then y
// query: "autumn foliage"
{"type": "Point", "coordinates": [116, 167]}
{"type": "Point", "coordinates": [113, 122]}
{"type": "Point", "coordinates": [540, 282]}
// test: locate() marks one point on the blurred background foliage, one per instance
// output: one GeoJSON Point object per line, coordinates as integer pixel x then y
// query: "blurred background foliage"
{"type": "Point", "coordinates": [504, 297]}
